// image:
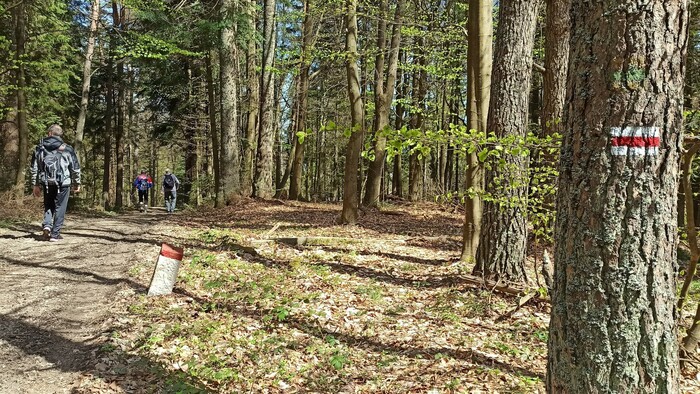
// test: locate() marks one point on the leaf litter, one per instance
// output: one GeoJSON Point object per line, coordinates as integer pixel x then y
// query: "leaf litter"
{"type": "Point", "coordinates": [372, 308]}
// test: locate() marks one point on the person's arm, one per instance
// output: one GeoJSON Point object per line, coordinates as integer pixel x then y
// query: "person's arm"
{"type": "Point", "coordinates": [35, 174]}
{"type": "Point", "coordinates": [150, 182]}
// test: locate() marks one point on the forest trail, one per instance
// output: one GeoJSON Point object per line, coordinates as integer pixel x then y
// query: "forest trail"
{"type": "Point", "coordinates": [55, 297]}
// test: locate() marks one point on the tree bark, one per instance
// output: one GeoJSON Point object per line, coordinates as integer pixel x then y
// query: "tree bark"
{"type": "Point", "coordinates": [383, 94]}
{"type": "Point", "coordinates": [302, 101]}
{"type": "Point", "coordinates": [349, 214]}
{"type": "Point", "coordinates": [250, 142]}
{"type": "Point", "coordinates": [117, 17]}
{"type": "Point", "coordinates": [87, 76]}
{"type": "Point", "coordinates": [691, 231]}
{"type": "Point", "coordinates": [480, 54]}
{"type": "Point", "coordinates": [612, 328]}
{"type": "Point", "coordinates": [229, 161]}
{"type": "Point", "coordinates": [502, 242]}
{"type": "Point", "coordinates": [22, 124]}
{"type": "Point", "coordinates": [556, 63]}
{"type": "Point", "coordinates": [219, 200]}
{"type": "Point", "coordinates": [264, 186]}
{"type": "Point", "coordinates": [420, 90]}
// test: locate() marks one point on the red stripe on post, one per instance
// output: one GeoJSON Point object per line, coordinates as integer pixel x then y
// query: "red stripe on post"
{"type": "Point", "coordinates": [636, 142]}
{"type": "Point", "coordinates": [171, 252]}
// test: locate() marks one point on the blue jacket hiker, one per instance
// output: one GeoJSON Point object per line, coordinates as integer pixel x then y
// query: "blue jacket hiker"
{"type": "Point", "coordinates": [142, 183]}
{"type": "Point", "coordinates": [170, 185]}
{"type": "Point", "coordinates": [55, 169]}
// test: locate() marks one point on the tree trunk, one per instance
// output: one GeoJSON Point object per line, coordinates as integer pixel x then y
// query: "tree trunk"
{"type": "Point", "coordinates": [250, 141]}
{"type": "Point", "coordinates": [691, 231]}
{"type": "Point", "coordinates": [420, 89]}
{"type": "Point", "coordinates": [349, 214]}
{"type": "Point", "coordinates": [108, 121]}
{"type": "Point", "coordinates": [87, 76]}
{"type": "Point", "coordinates": [22, 124]}
{"type": "Point", "coordinates": [480, 54]}
{"type": "Point", "coordinates": [556, 65]}
{"type": "Point", "coordinates": [264, 186]}
{"type": "Point", "coordinates": [612, 328]}
{"type": "Point", "coordinates": [229, 161]}
{"type": "Point", "coordinates": [117, 17]}
{"type": "Point", "coordinates": [219, 200]}
{"type": "Point", "coordinates": [302, 101]}
{"type": "Point", "coordinates": [384, 92]}
{"type": "Point", "coordinates": [502, 242]}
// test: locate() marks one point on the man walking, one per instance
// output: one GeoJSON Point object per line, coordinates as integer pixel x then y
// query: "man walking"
{"type": "Point", "coordinates": [55, 169]}
{"type": "Point", "coordinates": [170, 185]}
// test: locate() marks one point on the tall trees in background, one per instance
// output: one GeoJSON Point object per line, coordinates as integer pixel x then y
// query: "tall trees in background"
{"type": "Point", "coordinates": [264, 186]}
{"type": "Point", "coordinates": [250, 140]}
{"type": "Point", "coordinates": [479, 63]}
{"type": "Point", "coordinates": [612, 326]}
{"type": "Point", "coordinates": [87, 77]}
{"type": "Point", "coordinates": [299, 117]}
{"type": "Point", "coordinates": [351, 199]}
{"type": "Point", "coordinates": [383, 95]}
{"type": "Point", "coordinates": [502, 243]}
{"type": "Point", "coordinates": [556, 64]}
{"type": "Point", "coordinates": [229, 159]}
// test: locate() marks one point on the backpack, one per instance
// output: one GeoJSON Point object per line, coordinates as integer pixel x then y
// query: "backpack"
{"type": "Point", "coordinates": [168, 182]}
{"type": "Point", "coordinates": [51, 165]}
{"type": "Point", "coordinates": [143, 184]}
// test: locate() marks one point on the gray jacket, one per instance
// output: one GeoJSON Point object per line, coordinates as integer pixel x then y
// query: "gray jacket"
{"type": "Point", "coordinates": [69, 162]}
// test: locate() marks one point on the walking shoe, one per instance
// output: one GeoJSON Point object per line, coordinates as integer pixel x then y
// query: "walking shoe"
{"type": "Point", "coordinates": [46, 232]}
{"type": "Point", "coordinates": [56, 238]}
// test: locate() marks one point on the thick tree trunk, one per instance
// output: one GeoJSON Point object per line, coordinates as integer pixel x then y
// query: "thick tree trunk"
{"type": "Point", "coordinates": [384, 92]}
{"type": "Point", "coordinates": [87, 76]}
{"type": "Point", "coordinates": [264, 186]}
{"type": "Point", "coordinates": [612, 328]}
{"type": "Point", "coordinates": [349, 214]}
{"type": "Point", "coordinates": [480, 53]}
{"type": "Point", "coordinates": [229, 160]}
{"type": "Point", "coordinates": [502, 242]}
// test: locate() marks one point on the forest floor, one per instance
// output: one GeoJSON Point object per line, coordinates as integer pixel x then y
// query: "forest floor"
{"type": "Point", "coordinates": [271, 297]}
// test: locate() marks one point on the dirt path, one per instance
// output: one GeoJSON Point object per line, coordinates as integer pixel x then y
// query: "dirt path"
{"type": "Point", "coordinates": [55, 297]}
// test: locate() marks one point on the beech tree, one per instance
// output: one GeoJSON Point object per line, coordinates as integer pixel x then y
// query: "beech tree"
{"type": "Point", "coordinates": [612, 328]}
{"type": "Point", "coordinates": [479, 63]}
{"type": "Point", "coordinates": [351, 199]}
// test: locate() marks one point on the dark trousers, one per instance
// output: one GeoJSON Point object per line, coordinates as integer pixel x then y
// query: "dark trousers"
{"type": "Point", "coordinates": [55, 204]}
{"type": "Point", "coordinates": [143, 196]}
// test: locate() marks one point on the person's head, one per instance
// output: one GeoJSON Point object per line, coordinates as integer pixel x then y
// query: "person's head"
{"type": "Point", "coordinates": [54, 130]}
{"type": "Point", "coordinates": [167, 171]}
{"type": "Point", "coordinates": [143, 172]}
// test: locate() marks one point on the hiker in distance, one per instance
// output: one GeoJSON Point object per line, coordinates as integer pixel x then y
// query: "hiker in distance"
{"type": "Point", "coordinates": [55, 169]}
{"type": "Point", "coordinates": [170, 185]}
{"type": "Point", "coordinates": [142, 183]}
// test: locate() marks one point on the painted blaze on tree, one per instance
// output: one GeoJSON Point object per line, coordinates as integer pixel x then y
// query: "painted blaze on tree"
{"type": "Point", "coordinates": [612, 328]}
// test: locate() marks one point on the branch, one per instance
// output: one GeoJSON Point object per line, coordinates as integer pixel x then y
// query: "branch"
{"type": "Point", "coordinates": [538, 68]}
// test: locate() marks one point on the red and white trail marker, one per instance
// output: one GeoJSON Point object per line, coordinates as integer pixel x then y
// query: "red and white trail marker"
{"type": "Point", "coordinates": [634, 141]}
